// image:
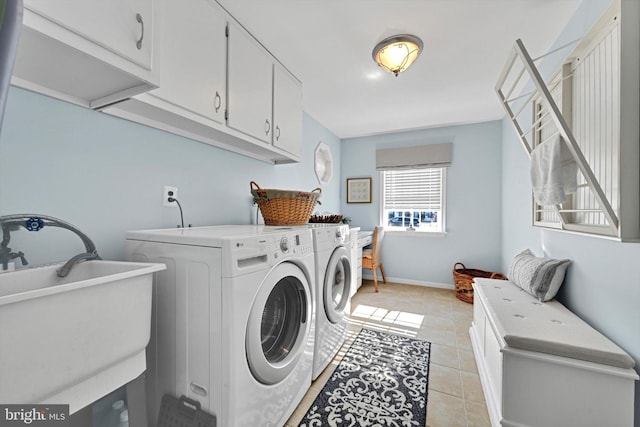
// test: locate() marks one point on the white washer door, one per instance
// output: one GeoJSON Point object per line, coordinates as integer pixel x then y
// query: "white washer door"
{"type": "Point", "coordinates": [337, 284]}
{"type": "Point", "coordinates": [279, 322]}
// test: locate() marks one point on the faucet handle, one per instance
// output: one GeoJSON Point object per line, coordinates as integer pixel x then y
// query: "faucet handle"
{"type": "Point", "coordinates": [34, 224]}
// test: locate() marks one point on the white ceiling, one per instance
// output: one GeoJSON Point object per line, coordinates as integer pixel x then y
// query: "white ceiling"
{"type": "Point", "coordinates": [327, 44]}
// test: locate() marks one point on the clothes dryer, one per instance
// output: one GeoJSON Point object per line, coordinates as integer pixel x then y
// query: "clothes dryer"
{"type": "Point", "coordinates": [332, 249]}
{"type": "Point", "coordinates": [233, 319]}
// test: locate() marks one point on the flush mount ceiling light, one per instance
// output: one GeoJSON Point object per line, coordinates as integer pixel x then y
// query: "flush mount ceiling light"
{"type": "Point", "coordinates": [395, 54]}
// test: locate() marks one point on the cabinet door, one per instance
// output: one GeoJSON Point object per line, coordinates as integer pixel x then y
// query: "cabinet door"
{"type": "Point", "coordinates": [191, 58]}
{"type": "Point", "coordinates": [250, 83]}
{"type": "Point", "coordinates": [122, 26]}
{"type": "Point", "coordinates": [479, 323]}
{"type": "Point", "coordinates": [287, 110]}
{"type": "Point", "coordinates": [493, 358]}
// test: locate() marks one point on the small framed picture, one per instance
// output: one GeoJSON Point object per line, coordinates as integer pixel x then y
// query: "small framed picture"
{"type": "Point", "coordinates": [358, 190]}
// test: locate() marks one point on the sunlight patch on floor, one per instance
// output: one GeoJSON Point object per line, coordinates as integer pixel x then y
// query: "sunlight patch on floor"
{"type": "Point", "coordinates": [396, 317]}
{"type": "Point", "coordinates": [380, 319]}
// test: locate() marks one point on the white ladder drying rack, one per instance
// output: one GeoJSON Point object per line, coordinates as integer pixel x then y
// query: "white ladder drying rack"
{"type": "Point", "coordinates": [515, 79]}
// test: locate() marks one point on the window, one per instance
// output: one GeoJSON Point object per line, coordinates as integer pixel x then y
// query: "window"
{"type": "Point", "coordinates": [413, 186]}
{"type": "Point", "coordinates": [413, 199]}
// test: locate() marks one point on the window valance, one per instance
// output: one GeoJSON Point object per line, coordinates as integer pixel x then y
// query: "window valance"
{"type": "Point", "coordinates": [417, 157]}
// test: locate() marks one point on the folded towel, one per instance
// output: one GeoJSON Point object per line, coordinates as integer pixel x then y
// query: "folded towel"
{"type": "Point", "coordinates": [554, 172]}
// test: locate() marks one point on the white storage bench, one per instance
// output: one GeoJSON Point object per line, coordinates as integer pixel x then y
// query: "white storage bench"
{"type": "Point", "coordinates": [542, 366]}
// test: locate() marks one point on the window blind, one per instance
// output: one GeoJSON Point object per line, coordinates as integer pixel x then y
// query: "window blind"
{"type": "Point", "coordinates": [415, 189]}
{"type": "Point", "coordinates": [421, 156]}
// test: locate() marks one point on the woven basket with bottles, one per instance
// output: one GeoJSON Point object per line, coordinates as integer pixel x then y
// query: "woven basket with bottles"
{"type": "Point", "coordinates": [285, 207]}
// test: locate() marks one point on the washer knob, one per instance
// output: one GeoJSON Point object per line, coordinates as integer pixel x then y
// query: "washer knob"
{"type": "Point", "coordinates": [284, 244]}
{"type": "Point", "coordinates": [339, 233]}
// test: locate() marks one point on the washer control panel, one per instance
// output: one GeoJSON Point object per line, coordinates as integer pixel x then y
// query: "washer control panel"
{"type": "Point", "coordinates": [252, 253]}
{"type": "Point", "coordinates": [297, 242]}
{"type": "Point", "coordinates": [284, 244]}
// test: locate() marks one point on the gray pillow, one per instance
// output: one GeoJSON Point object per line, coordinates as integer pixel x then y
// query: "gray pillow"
{"type": "Point", "coordinates": [541, 277]}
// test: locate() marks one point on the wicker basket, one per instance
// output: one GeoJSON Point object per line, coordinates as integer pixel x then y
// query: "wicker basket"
{"type": "Point", "coordinates": [463, 279]}
{"type": "Point", "coordinates": [285, 207]}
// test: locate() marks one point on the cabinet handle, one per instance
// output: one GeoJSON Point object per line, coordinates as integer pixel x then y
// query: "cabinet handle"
{"type": "Point", "coordinates": [139, 42]}
{"type": "Point", "coordinates": [198, 389]}
{"type": "Point", "coordinates": [267, 127]}
{"type": "Point", "coordinates": [217, 102]}
{"type": "Point", "coordinates": [277, 133]}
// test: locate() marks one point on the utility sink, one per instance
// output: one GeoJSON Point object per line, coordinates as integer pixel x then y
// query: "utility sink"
{"type": "Point", "coordinates": [75, 339]}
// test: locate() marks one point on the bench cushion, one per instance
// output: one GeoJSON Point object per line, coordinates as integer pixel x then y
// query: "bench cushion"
{"type": "Point", "coordinates": [545, 327]}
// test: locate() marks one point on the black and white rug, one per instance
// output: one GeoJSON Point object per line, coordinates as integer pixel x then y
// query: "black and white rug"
{"type": "Point", "coordinates": [381, 381]}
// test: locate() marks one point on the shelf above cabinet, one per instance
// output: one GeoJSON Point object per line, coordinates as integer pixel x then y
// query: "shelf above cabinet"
{"type": "Point", "coordinates": [151, 111]}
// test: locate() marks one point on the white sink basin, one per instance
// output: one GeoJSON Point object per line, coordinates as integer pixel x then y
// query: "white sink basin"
{"type": "Point", "coordinates": [72, 340]}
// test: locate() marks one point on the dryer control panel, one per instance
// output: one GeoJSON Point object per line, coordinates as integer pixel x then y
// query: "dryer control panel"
{"type": "Point", "coordinates": [329, 236]}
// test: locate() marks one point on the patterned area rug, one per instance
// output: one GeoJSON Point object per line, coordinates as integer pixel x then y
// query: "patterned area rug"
{"type": "Point", "coordinates": [381, 381]}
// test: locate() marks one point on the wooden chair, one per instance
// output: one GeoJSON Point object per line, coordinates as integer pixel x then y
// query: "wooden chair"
{"type": "Point", "coordinates": [371, 257]}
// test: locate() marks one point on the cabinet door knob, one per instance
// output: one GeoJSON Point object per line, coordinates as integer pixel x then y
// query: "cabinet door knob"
{"type": "Point", "coordinates": [277, 132]}
{"type": "Point", "coordinates": [139, 42]}
{"type": "Point", "coordinates": [217, 102]}
{"type": "Point", "coordinates": [267, 127]}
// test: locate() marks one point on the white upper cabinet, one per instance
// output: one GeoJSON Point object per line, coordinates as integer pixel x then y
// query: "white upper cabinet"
{"type": "Point", "coordinates": [287, 110]}
{"type": "Point", "coordinates": [192, 57]}
{"type": "Point", "coordinates": [121, 26]}
{"type": "Point", "coordinates": [89, 52]}
{"type": "Point", "coordinates": [250, 71]}
{"type": "Point", "coordinates": [217, 85]}
{"type": "Point", "coordinates": [265, 100]}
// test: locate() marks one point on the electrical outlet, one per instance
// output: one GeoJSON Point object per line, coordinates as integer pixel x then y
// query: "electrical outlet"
{"type": "Point", "coordinates": [169, 192]}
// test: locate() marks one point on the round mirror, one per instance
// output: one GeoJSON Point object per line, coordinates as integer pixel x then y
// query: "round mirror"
{"type": "Point", "coordinates": [323, 163]}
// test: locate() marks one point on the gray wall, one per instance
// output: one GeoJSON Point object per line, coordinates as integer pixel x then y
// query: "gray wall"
{"type": "Point", "coordinates": [602, 284]}
{"type": "Point", "coordinates": [473, 202]}
{"type": "Point", "coordinates": [106, 176]}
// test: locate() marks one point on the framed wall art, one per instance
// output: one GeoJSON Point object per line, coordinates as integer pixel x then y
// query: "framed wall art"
{"type": "Point", "coordinates": [358, 190]}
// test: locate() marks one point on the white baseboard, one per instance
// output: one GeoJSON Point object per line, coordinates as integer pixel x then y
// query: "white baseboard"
{"type": "Point", "coordinates": [413, 282]}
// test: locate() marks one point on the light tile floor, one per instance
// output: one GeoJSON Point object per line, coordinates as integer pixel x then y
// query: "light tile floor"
{"type": "Point", "coordinates": [455, 395]}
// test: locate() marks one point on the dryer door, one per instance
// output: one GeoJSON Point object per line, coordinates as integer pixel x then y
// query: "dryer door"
{"type": "Point", "coordinates": [279, 323]}
{"type": "Point", "coordinates": [337, 284]}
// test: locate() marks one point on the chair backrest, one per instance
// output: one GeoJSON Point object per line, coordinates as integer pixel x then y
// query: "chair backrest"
{"type": "Point", "coordinates": [378, 235]}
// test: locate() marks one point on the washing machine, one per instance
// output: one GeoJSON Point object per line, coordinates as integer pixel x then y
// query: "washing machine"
{"type": "Point", "coordinates": [332, 249]}
{"type": "Point", "coordinates": [233, 319]}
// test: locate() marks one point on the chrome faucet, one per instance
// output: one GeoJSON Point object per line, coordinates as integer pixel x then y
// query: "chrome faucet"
{"type": "Point", "coordinates": [35, 222]}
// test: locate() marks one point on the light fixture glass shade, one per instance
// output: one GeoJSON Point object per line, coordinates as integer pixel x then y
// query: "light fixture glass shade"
{"type": "Point", "coordinates": [395, 54]}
